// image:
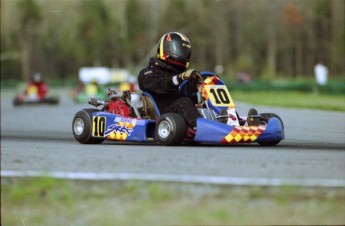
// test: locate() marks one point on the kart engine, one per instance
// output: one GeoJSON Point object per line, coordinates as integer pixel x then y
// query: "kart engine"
{"type": "Point", "coordinates": [117, 104]}
{"type": "Point", "coordinates": [119, 107]}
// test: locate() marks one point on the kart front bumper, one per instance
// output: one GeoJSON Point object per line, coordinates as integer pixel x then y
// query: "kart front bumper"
{"type": "Point", "coordinates": [216, 132]}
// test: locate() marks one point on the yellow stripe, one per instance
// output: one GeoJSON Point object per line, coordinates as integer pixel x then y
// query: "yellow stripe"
{"type": "Point", "coordinates": [161, 48]}
{"type": "Point", "coordinates": [184, 38]}
{"type": "Point", "coordinates": [93, 125]}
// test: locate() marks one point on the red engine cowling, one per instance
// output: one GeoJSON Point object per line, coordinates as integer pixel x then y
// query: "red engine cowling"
{"type": "Point", "coordinates": [118, 107]}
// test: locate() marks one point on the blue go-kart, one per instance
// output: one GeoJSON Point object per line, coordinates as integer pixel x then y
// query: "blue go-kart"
{"type": "Point", "coordinates": [120, 119]}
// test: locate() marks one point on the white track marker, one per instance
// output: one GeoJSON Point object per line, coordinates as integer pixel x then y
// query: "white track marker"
{"type": "Point", "coordinates": [218, 180]}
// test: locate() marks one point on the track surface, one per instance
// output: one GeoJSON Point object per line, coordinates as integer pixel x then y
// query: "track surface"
{"type": "Point", "coordinates": [39, 139]}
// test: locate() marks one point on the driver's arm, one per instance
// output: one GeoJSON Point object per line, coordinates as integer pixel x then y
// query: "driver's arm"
{"type": "Point", "coordinates": [158, 82]}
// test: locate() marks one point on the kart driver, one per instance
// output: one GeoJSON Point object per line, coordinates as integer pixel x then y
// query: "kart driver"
{"type": "Point", "coordinates": [162, 77]}
{"type": "Point", "coordinates": [37, 88]}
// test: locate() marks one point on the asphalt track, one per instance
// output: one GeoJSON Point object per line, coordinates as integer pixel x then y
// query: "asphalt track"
{"type": "Point", "coordinates": [38, 140]}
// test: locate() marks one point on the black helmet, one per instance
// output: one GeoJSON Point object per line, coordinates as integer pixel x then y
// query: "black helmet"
{"type": "Point", "coordinates": [174, 48]}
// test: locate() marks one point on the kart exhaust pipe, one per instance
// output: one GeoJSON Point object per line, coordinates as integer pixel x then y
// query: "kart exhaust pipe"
{"type": "Point", "coordinates": [95, 102]}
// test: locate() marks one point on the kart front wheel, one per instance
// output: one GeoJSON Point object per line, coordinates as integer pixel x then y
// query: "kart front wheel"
{"type": "Point", "coordinates": [82, 126]}
{"type": "Point", "coordinates": [171, 129]}
{"type": "Point", "coordinates": [265, 117]}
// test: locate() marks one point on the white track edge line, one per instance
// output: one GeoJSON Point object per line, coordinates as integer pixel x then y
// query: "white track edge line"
{"type": "Point", "coordinates": [218, 180]}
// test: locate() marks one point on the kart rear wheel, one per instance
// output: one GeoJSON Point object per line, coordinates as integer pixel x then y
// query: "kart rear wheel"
{"type": "Point", "coordinates": [52, 100]}
{"type": "Point", "coordinates": [171, 129]}
{"type": "Point", "coordinates": [17, 102]}
{"type": "Point", "coordinates": [82, 125]}
{"type": "Point", "coordinates": [265, 117]}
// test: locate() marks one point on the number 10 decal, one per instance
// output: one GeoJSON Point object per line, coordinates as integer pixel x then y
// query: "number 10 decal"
{"type": "Point", "coordinates": [219, 95]}
{"type": "Point", "coordinates": [98, 126]}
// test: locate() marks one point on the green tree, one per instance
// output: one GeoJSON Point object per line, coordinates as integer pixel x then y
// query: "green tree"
{"type": "Point", "coordinates": [338, 36]}
{"type": "Point", "coordinates": [93, 29]}
{"type": "Point", "coordinates": [268, 38]}
{"type": "Point", "coordinates": [30, 19]}
{"type": "Point", "coordinates": [137, 33]}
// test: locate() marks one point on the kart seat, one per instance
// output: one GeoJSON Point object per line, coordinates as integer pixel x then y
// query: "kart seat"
{"type": "Point", "coordinates": [150, 106]}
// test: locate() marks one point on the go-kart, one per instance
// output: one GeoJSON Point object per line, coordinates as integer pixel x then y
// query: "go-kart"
{"type": "Point", "coordinates": [83, 97]}
{"type": "Point", "coordinates": [119, 119]}
{"type": "Point", "coordinates": [22, 99]}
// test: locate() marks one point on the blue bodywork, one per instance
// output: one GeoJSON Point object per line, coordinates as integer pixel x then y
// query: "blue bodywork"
{"type": "Point", "coordinates": [143, 130]}
{"type": "Point", "coordinates": [216, 132]}
{"type": "Point", "coordinates": [129, 129]}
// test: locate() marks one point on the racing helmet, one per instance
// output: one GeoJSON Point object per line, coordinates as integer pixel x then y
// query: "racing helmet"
{"type": "Point", "coordinates": [37, 77]}
{"type": "Point", "coordinates": [175, 49]}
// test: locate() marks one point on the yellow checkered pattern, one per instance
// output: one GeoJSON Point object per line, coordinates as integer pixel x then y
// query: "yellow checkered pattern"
{"type": "Point", "coordinates": [244, 134]}
{"type": "Point", "coordinates": [208, 81]}
{"type": "Point", "coordinates": [116, 135]}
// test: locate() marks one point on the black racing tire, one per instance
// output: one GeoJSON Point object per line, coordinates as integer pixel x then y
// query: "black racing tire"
{"type": "Point", "coordinates": [17, 102]}
{"type": "Point", "coordinates": [52, 100]}
{"type": "Point", "coordinates": [82, 126]}
{"type": "Point", "coordinates": [171, 129]}
{"type": "Point", "coordinates": [265, 117]}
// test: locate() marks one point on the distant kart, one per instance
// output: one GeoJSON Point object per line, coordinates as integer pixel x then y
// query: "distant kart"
{"type": "Point", "coordinates": [120, 120]}
{"type": "Point", "coordinates": [83, 97]}
{"type": "Point", "coordinates": [22, 99]}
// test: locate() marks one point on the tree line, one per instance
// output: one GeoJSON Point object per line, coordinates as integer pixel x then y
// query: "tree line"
{"type": "Point", "coordinates": [267, 39]}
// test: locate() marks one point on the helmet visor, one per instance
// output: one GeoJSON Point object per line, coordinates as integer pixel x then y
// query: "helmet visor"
{"type": "Point", "coordinates": [179, 50]}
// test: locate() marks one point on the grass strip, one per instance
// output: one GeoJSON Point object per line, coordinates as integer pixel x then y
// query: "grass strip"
{"type": "Point", "coordinates": [292, 99]}
{"type": "Point", "coordinates": [48, 201]}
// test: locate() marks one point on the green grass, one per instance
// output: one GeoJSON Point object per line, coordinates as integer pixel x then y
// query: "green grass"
{"type": "Point", "coordinates": [47, 201]}
{"type": "Point", "coordinates": [291, 99]}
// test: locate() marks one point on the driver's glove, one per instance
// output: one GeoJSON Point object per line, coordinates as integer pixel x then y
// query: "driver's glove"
{"type": "Point", "coordinates": [192, 75]}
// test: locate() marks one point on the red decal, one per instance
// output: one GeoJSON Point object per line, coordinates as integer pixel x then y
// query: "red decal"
{"type": "Point", "coordinates": [169, 38]}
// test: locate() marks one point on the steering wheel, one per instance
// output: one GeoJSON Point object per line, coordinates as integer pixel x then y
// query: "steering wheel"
{"type": "Point", "coordinates": [184, 85]}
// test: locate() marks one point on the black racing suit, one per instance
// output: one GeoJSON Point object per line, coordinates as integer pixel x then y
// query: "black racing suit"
{"type": "Point", "coordinates": [156, 79]}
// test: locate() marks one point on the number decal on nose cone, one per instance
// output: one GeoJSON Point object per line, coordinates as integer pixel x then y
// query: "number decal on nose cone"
{"type": "Point", "coordinates": [98, 126]}
{"type": "Point", "coordinates": [219, 96]}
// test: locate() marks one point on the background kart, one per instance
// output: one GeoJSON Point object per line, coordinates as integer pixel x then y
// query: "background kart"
{"type": "Point", "coordinates": [121, 120]}
{"type": "Point", "coordinates": [22, 99]}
